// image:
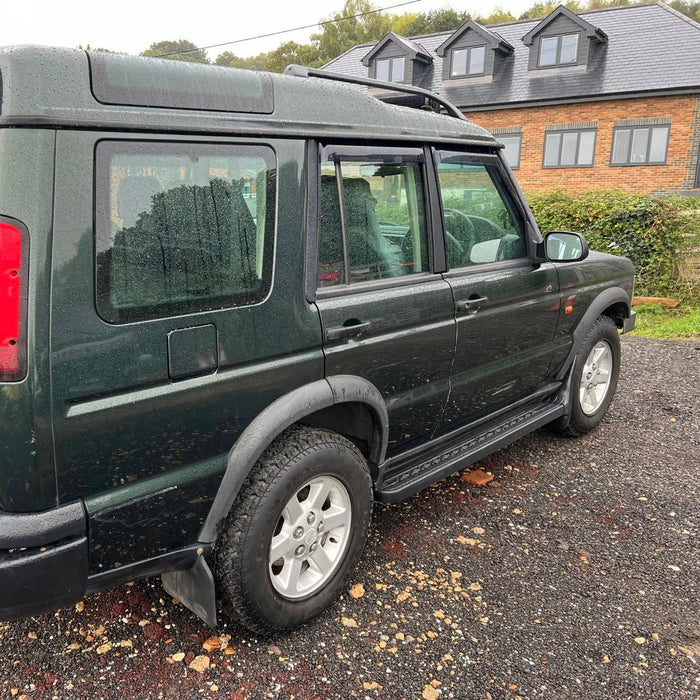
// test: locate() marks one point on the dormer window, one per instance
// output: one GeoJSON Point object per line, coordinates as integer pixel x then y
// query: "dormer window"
{"type": "Point", "coordinates": [396, 59]}
{"type": "Point", "coordinates": [472, 52]}
{"type": "Point", "coordinates": [468, 61]}
{"type": "Point", "coordinates": [391, 70]}
{"type": "Point", "coordinates": [562, 40]}
{"type": "Point", "coordinates": [558, 50]}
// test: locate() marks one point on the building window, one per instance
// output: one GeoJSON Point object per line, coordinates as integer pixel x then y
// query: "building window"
{"type": "Point", "coordinates": [511, 152]}
{"type": "Point", "coordinates": [471, 61]}
{"type": "Point", "coordinates": [569, 149]}
{"type": "Point", "coordinates": [391, 70]}
{"type": "Point", "coordinates": [641, 145]}
{"type": "Point", "coordinates": [558, 50]}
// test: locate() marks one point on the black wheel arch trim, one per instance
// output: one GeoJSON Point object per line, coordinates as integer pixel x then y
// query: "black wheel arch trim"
{"type": "Point", "coordinates": [280, 415]}
{"type": "Point", "coordinates": [605, 300]}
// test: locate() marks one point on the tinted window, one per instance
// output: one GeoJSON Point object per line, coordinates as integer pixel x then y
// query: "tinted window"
{"type": "Point", "coordinates": [481, 222]}
{"type": "Point", "coordinates": [181, 228]}
{"type": "Point", "coordinates": [372, 217]}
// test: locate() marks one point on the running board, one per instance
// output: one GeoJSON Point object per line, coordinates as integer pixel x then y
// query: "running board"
{"type": "Point", "coordinates": [410, 475]}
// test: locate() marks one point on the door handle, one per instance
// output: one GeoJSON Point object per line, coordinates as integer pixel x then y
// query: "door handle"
{"type": "Point", "coordinates": [472, 304]}
{"type": "Point", "coordinates": [347, 331]}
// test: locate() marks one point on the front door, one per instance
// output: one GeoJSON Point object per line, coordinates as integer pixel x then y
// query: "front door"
{"type": "Point", "coordinates": [506, 305]}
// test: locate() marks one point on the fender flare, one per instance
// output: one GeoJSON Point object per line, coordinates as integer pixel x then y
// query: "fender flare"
{"type": "Point", "coordinates": [280, 415]}
{"type": "Point", "coordinates": [606, 299]}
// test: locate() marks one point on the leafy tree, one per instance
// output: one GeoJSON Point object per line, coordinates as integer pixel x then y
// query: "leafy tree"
{"type": "Point", "coordinates": [338, 35]}
{"type": "Point", "coordinates": [181, 50]}
{"type": "Point", "coordinates": [291, 52]}
{"type": "Point", "coordinates": [542, 9]}
{"type": "Point", "coordinates": [229, 59]}
{"type": "Point", "coordinates": [498, 16]}
{"type": "Point", "coordinates": [443, 20]}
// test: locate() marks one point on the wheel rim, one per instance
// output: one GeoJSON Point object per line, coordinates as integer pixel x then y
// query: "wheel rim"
{"type": "Point", "coordinates": [310, 538]}
{"type": "Point", "coordinates": [596, 378]}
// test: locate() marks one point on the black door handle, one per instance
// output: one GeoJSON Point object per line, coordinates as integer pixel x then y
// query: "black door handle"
{"type": "Point", "coordinates": [347, 331]}
{"type": "Point", "coordinates": [471, 305]}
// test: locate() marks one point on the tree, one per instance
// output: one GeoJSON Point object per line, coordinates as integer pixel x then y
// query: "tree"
{"type": "Point", "coordinates": [180, 50]}
{"type": "Point", "coordinates": [498, 16]}
{"type": "Point", "coordinates": [435, 21]}
{"type": "Point", "coordinates": [338, 34]}
{"type": "Point", "coordinates": [291, 52]}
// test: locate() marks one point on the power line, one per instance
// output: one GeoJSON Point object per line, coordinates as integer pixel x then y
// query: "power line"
{"type": "Point", "coordinates": [287, 31]}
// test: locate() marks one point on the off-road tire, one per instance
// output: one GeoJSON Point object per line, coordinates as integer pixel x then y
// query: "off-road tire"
{"type": "Point", "coordinates": [244, 573]}
{"type": "Point", "coordinates": [587, 409]}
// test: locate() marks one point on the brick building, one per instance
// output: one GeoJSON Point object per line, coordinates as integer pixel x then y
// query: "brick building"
{"type": "Point", "coordinates": [607, 98]}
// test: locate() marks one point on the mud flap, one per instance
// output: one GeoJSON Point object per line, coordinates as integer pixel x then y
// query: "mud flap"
{"type": "Point", "coordinates": [194, 588]}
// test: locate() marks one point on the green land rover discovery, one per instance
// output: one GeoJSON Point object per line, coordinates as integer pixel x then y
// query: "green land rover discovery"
{"type": "Point", "coordinates": [236, 308]}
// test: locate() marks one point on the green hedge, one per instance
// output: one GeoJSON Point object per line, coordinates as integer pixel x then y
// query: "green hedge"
{"type": "Point", "coordinates": [652, 232]}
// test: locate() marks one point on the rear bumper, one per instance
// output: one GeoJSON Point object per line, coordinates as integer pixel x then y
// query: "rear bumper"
{"type": "Point", "coordinates": [43, 560]}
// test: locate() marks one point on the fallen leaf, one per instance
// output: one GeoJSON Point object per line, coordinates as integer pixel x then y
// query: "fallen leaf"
{"type": "Point", "coordinates": [80, 606]}
{"type": "Point", "coordinates": [104, 648]}
{"type": "Point", "coordinates": [469, 541]}
{"type": "Point", "coordinates": [477, 477]}
{"type": "Point", "coordinates": [199, 664]}
{"type": "Point", "coordinates": [640, 640]}
{"type": "Point", "coordinates": [372, 686]}
{"type": "Point", "coordinates": [606, 659]}
{"type": "Point", "coordinates": [348, 622]}
{"type": "Point", "coordinates": [357, 591]}
{"type": "Point", "coordinates": [430, 693]}
{"type": "Point", "coordinates": [478, 530]}
{"type": "Point", "coordinates": [474, 587]}
{"type": "Point", "coordinates": [212, 644]}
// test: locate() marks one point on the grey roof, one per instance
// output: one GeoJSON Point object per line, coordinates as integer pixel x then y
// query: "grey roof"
{"type": "Point", "coordinates": [650, 48]}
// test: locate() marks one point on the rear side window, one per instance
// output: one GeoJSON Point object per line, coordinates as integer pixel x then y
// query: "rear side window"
{"type": "Point", "coordinates": [373, 216]}
{"type": "Point", "coordinates": [182, 228]}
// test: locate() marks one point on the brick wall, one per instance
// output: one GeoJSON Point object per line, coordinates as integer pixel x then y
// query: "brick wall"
{"type": "Point", "coordinates": [677, 174]}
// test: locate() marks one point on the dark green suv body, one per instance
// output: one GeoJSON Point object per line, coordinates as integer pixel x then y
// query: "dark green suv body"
{"type": "Point", "coordinates": [236, 307]}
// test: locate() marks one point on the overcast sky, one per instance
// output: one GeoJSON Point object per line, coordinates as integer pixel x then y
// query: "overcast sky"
{"type": "Point", "coordinates": [132, 26]}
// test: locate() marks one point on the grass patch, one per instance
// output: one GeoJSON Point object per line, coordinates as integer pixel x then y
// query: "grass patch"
{"type": "Point", "coordinates": [655, 322]}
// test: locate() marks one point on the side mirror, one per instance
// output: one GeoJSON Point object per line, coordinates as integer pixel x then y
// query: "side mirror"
{"type": "Point", "coordinates": [565, 246]}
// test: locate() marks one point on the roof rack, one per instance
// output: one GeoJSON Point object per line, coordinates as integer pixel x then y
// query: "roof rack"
{"type": "Point", "coordinates": [306, 72]}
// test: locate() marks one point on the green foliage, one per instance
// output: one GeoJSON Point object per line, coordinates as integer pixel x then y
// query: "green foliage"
{"type": "Point", "coordinates": [652, 232]}
{"type": "Point", "coordinates": [443, 20]}
{"type": "Point", "coordinates": [180, 50]}
{"type": "Point", "coordinates": [338, 36]}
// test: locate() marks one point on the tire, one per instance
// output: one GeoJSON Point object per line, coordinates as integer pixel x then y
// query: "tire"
{"type": "Point", "coordinates": [295, 532]}
{"type": "Point", "coordinates": [594, 380]}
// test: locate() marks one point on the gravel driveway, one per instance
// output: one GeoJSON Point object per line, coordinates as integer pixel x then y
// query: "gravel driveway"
{"type": "Point", "coordinates": [574, 573]}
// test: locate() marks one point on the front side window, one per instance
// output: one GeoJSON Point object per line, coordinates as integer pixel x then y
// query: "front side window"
{"type": "Point", "coordinates": [645, 145]}
{"type": "Point", "coordinates": [181, 228]}
{"type": "Point", "coordinates": [372, 222]}
{"type": "Point", "coordinates": [481, 222]}
{"type": "Point", "coordinates": [470, 61]}
{"type": "Point", "coordinates": [391, 69]}
{"type": "Point", "coordinates": [558, 50]}
{"type": "Point", "coordinates": [569, 149]}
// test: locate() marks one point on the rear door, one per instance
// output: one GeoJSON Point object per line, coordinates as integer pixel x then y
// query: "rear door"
{"type": "Point", "coordinates": [168, 334]}
{"type": "Point", "coordinates": [505, 304]}
{"type": "Point", "coordinates": [386, 314]}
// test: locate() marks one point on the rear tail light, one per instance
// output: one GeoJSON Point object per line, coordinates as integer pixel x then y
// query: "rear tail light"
{"type": "Point", "coordinates": [13, 340]}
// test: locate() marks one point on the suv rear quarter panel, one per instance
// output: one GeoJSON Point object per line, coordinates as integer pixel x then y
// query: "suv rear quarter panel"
{"type": "Point", "coordinates": [27, 476]}
{"type": "Point", "coordinates": [147, 452]}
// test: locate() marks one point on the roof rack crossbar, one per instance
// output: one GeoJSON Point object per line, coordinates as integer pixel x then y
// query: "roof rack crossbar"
{"type": "Point", "coordinates": [306, 72]}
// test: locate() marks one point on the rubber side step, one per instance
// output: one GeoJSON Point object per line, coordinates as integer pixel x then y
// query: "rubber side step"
{"type": "Point", "coordinates": [408, 476]}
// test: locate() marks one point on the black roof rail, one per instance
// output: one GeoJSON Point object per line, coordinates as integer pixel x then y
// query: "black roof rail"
{"type": "Point", "coordinates": [306, 72]}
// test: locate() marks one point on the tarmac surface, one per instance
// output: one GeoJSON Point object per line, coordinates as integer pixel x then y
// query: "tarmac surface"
{"type": "Point", "coordinates": [573, 573]}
